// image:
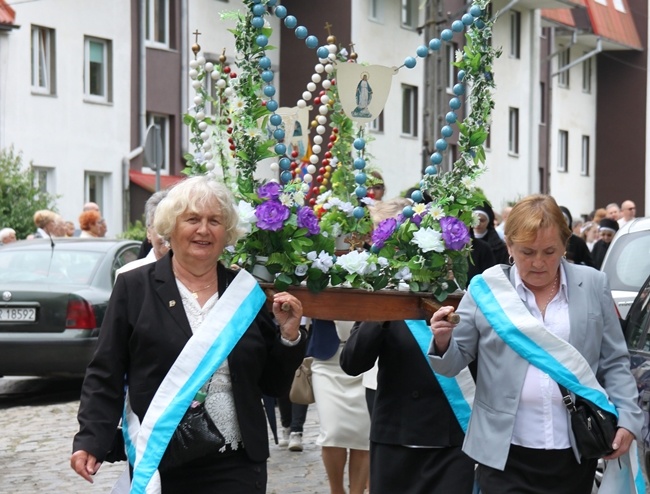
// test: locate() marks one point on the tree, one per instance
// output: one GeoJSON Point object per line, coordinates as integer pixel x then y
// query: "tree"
{"type": "Point", "coordinates": [19, 197]}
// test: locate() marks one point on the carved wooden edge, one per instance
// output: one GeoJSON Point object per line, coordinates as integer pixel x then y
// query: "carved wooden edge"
{"type": "Point", "coordinates": [348, 304]}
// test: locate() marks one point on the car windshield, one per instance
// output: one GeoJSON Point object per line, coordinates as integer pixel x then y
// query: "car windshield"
{"type": "Point", "coordinates": [628, 266]}
{"type": "Point", "coordinates": [60, 266]}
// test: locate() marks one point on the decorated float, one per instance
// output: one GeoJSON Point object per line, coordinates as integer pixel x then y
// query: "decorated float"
{"type": "Point", "coordinates": [309, 230]}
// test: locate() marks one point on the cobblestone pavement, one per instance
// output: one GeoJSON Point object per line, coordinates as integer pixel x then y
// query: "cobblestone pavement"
{"type": "Point", "coordinates": [35, 446]}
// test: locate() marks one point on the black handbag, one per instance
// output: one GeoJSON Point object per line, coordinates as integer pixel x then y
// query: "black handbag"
{"type": "Point", "coordinates": [594, 428]}
{"type": "Point", "coordinates": [195, 437]}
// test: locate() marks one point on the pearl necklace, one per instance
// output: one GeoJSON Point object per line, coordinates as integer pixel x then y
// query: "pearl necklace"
{"type": "Point", "coordinates": [553, 293]}
{"type": "Point", "coordinates": [195, 293]}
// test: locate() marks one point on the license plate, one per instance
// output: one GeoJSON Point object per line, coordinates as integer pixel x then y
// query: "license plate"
{"type": "Point", "coordinates": [17, 314]}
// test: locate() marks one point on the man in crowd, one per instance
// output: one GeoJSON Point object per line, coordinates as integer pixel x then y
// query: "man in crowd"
{"type": "Point", "coordinates": [628, 212]}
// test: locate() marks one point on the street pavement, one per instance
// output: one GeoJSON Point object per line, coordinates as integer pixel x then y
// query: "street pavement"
{"type": "Point", "coordinates": [35, 446]}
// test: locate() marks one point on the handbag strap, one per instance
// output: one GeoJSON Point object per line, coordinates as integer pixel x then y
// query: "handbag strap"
{"type": "Point", "coordinates": [566, 398]}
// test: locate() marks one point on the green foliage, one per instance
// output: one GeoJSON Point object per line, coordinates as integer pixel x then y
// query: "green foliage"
{"type": "Point", "coordinates": [19, 198]}
{"type": "Point", "coordinates": [135, 231]}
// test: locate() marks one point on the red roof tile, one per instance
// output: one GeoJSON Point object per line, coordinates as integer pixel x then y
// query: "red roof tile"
{"type": "Point", "coordinates": [7, 14]}
{"type": "Point", "coordinates": [613, 25]}
{"type": "Point", "coordinates": [561, 16]}
{"type": "Point", "coordinates": [148, 180]}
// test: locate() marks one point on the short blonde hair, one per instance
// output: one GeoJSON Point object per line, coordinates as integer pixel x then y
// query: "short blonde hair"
{"type": "Point", "coordinates": [382, 210]}
{"type": "Point", "coordinates": [44, 217]}
{"type": "Point", "coordinates": [530, 215]}
{"type": "Point", "coordinates": [192, 194]}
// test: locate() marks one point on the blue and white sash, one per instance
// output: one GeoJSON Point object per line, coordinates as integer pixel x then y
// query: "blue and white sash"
{"type": "Point", "coordinates": [205, 351]}
{"type": "Point", "coordinates": [509, 317]}
{"type": "Point", "coordinates": [460, 389]}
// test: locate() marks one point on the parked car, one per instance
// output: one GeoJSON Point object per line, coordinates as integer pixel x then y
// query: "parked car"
{"type": "Point", "coordinates": [53, 296]}
{"type": "Point", "coordinates": [637, 334]}
{"type": "Point", "coordinates": [627, 263]}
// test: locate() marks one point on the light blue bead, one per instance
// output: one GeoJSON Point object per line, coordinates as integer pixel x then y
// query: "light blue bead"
{"type": "Point", "coordinates": [280, 11]}
{"type": "Point", "coordinates": [479, 23]}
{"type": "Point", "coordinates": [447, 34]}
{"type": "Point", "coordinates": [286, 177]}
{"type": "Point", "coordinates": [257, 22]}
{"type": "Point", "coordinates": [441, 144]}
{"type": "Point", "coordinates": [311, 42]}
{"type": "Point", "coordinates": [361, 191]}
{"type": "Point", "coordinates": [275, 119]}
{"type": "Point", "coordinates": [416, 195]}
{"type": "Point", "coordinates": [285, 163]}
{"type": "Point", "coordinates": [322, 52]}
{"type": "Point", "coordinates": [360, 178]}
{"type": "Point", "coordinates": [262, 40]}
{"type": "Point", "coordinates": [409, 62]}
{"type": "Point", "coordinates": [451, 117]}
{"type": "Point", "coordinates": [278, 134]}
{"type": "Point", "coordinates": [461, 75]}
{"type": "Point", "coordinates": [259, 10]}
{"type": "Point", "coordinates": [454, 103]}
{"type": "Point", "coordinates": [267, 75]}
{"type": "Point", "coordinates": [475, 11]}
{"type": "Point", "coordinates": [280, 148]}
{"type": "Point", "coordinates": [459, 89]}
{"type": "Point", "coordinates": [436, 158]}
{"type": "Point", "coordinates": [457, 26]}
{"type": "Point", "coordinates": [265, 62]}
{"type": "Point", "coordinates": [359, 212]}
{"type": "Point", "coordinates": [422, 51]}
{"type": "Point", "coordinates": [257, 1]}
{"type": "Point", "coordinates": [269, 91]}
{"type": "Point", "coordinates": [407, 212]}
{"type": "Point", "coordinates": [359, 144]}
{"type": "Point", "coordinates": [374, 249]}
{"type": "Point", "coordinates": [446, 131]}
{"type": "Point", "coordinates": [359, 163]}
{"type": "Point", "coordinates": [290, 21]}
{"type": "Point", "coordinates": [272, 105]}
{"type": "Point", "coordinates": [435, 44]}
{"type": "Point", "coordinates": [271, 3]}
{"type": "Point", "coordinates": [301, 32]}
{"type": "Point", "coordinates": [467, 19]}
{"type": "Point", "coordinates": [430, 170]}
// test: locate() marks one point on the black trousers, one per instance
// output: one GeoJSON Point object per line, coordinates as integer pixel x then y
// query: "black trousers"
{"type": "Point", "coordinates": [399, 469]}
{"type": "Point", "coordinates": [538, 471]}
{"type": "Point", "coordinates": [292, 415]}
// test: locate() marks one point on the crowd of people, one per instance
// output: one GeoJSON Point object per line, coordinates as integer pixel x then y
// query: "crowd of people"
{"type": "Point", "coordinates": [49, 224]}
{"type": "Point", "coordinates": [183, 331]}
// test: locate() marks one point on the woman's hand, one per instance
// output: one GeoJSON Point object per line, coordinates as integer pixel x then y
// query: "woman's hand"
{"type": "Point", "coordinates": [622, 442]}
{"type": "Point", "coordinates": [84, 464]}
{"type": "Point", "coordinates": [442, 329]}
{"type": "Point", "coordinates": [287, 310]}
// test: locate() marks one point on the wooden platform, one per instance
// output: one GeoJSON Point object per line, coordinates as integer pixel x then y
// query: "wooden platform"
{"type": "Point", "coordinates": [347, 304]}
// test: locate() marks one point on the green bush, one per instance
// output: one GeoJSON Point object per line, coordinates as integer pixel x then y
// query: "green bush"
{"type": "Point", "coordinates": [135, 231]}
{"type": "Point", "coordinates": [19, 197]}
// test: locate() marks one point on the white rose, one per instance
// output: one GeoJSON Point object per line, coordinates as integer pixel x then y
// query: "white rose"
{"type": "Point", "coordinates": [428, 239]}
{"type": "Point", "coordinates": [354, 262]}
{"type": "Point", "coordinates": [246, 216]}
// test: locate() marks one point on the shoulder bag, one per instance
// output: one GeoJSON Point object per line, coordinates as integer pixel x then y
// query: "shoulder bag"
{"type": "Point", "coordinates": [302, 392]}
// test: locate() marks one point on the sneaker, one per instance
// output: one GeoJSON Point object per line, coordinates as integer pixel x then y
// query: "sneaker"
{"type": "Point", "coordinates": [295, 441]}
{"type": "Point", "coordinates": [283, 442]}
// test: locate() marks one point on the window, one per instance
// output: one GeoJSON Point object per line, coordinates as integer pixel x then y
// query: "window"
{"type": "Point", "coordinates": [409, 110]}
{"type": "Point", "coordinates": [563, 59]}
{"type": "Point", "coordinates": [563, 151]}
{"type": "Point", "coordinates": [44, 179]}
{"type": "Point", "coordinates": [376, 10]}
{"type": "Point", "coordinates": [542, 103]}
{"type": "Point", "coordinates": [586, 76]}
{"type": "Point", "coordinates": [377, 125]}
{"type": "Point", "coordinates": [452, 70]}
{"type": "Point", "coordinates": [584, 167]}
{"type": "Point", "coordinates": [409, 14]}
{"type": "Point", "coordinates": [515, 34]}
{"type": "Point", "coordinates": [452, 156]}
{"type": "Point", "coordinates": [43, 60]}
{"type": "Point", "coordinates": [97, 70]}
{"type": "Point", "coordinates": [513, 131]}
{"type": "Point", "coordinates": [163, 122]}
{"type": "Point", "coordinates": [94, 189]}
{"type": "Point", "coordinates": [158, 23]}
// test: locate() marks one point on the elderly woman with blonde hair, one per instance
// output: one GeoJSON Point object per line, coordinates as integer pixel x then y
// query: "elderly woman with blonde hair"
{"type": "Point", "coordinates": [46, 223]}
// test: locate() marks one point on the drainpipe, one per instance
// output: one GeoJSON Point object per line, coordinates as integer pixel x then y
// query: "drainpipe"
{"type": "Point", "coordinates": [184, 81]}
